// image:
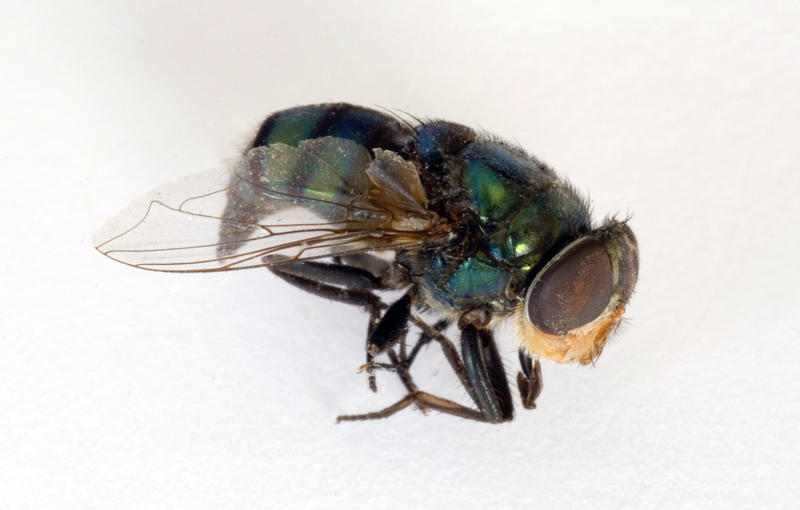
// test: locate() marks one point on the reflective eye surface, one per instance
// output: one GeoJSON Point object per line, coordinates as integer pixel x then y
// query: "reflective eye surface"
{"type": "Point", "coordinates": [573, 289]}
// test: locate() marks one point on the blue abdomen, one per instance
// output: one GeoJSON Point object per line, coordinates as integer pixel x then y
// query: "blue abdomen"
{"type": "Point", "coordinates": [368, 128]}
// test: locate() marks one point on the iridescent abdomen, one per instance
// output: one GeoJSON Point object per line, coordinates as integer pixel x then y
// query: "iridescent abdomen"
{"type": "Point", "coordinates": [368, 128]}
{"type": "Point", "coordinates": [319, 154]}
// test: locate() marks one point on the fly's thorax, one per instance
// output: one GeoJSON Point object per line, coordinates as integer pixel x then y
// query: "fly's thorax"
{"type": "Point", "coordinates": [508, 211]}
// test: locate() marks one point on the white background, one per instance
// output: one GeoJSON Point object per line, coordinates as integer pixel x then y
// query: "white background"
{"type": "Point", "coordinates": [127, 389]}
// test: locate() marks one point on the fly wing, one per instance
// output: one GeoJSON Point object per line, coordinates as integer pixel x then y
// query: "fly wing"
{"type": "Point", "coordinates": [326, 196]}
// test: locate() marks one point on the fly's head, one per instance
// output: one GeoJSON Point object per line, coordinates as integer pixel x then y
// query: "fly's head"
{"type": "Point", "coordinates": [578, 298]}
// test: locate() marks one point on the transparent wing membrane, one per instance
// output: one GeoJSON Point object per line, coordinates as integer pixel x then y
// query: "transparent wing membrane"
{"type": "Point", "coordinates": [327, 196]}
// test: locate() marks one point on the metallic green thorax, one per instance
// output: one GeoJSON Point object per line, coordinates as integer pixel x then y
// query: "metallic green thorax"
{"type": "Point", "coordinates": [524, 213]}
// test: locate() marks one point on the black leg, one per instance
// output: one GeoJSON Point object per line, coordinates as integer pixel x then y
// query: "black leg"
{"type": "Point", "coordinates": [497, 374]}
{"type": "Point", "coordinates": [391, 328]}
{"type": "Point", "coordinates": [481, 371]}
{"type": "Point", "coordinates": [345, 284]}
{"type": "Point", "coordinates": [423, 399]}
{"type": "Point", "coordinates": [405, 377]}
{"type": "Point", "coordinates": [423, 340]}
{"type": "Point", "coordinates": [485, 371]}
{"type": "Point", "coordinates": [529, 380]}
{"type": "Point", "coordinates": [351, 296]}
{"type": "Point", "coordinates": [331, 274]}
{"type": "Point", "coordinates": [401, 363]}
{"type": "Point", "coordinates": [450, 353]}
{"type": "Point", "coordinates": [407, 359]}
{"type": "Point", "coordinates": [389, 275]}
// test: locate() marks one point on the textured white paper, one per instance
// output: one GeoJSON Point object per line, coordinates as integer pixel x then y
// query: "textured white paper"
{"type": "Point", "coordinates": [127, 389]}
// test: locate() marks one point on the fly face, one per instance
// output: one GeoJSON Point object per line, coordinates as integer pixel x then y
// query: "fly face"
{"type": "Point", "coordinates": [481, 231]}
{"type": "Point", "coordinates": [577, 299]}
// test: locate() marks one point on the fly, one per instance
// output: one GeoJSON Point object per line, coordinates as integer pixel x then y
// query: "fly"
{"type": "Point", "coordinates": [478, 232]}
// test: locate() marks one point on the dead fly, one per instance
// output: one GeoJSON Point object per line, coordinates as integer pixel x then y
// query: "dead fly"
{"type": "Point", "coordinates": [480, 233]}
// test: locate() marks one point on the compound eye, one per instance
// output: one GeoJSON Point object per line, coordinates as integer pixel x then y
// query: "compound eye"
{"type": "Point", "coordinates": [573, 289]}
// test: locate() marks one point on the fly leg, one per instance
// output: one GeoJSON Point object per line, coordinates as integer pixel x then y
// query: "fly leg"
{"type": "Point", "coordinates": [479, 368]}
{"type": "Point", "coordinates": [424, 339]}
{"type": "Point", "coordinates": [391, 329]}
{"type": "Point", "coordinates": [486, 374]}
{"type": "Point", "coordinates": [450, 353]}
{"type": "Point", "coordinates": [403, 357]}
{"type": "Point", "coordinates": [529, 380]}
{"type": "Point", "coordinates": [385, 271]}
{"type": "Point", "coordinates": [337, 282]}
{"type": "Point", "coordinates": [353, 279]}
{"type": "Point", "coordinates": [481, 373]}
{"type": "Point", "coordinates": [425, 400]}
